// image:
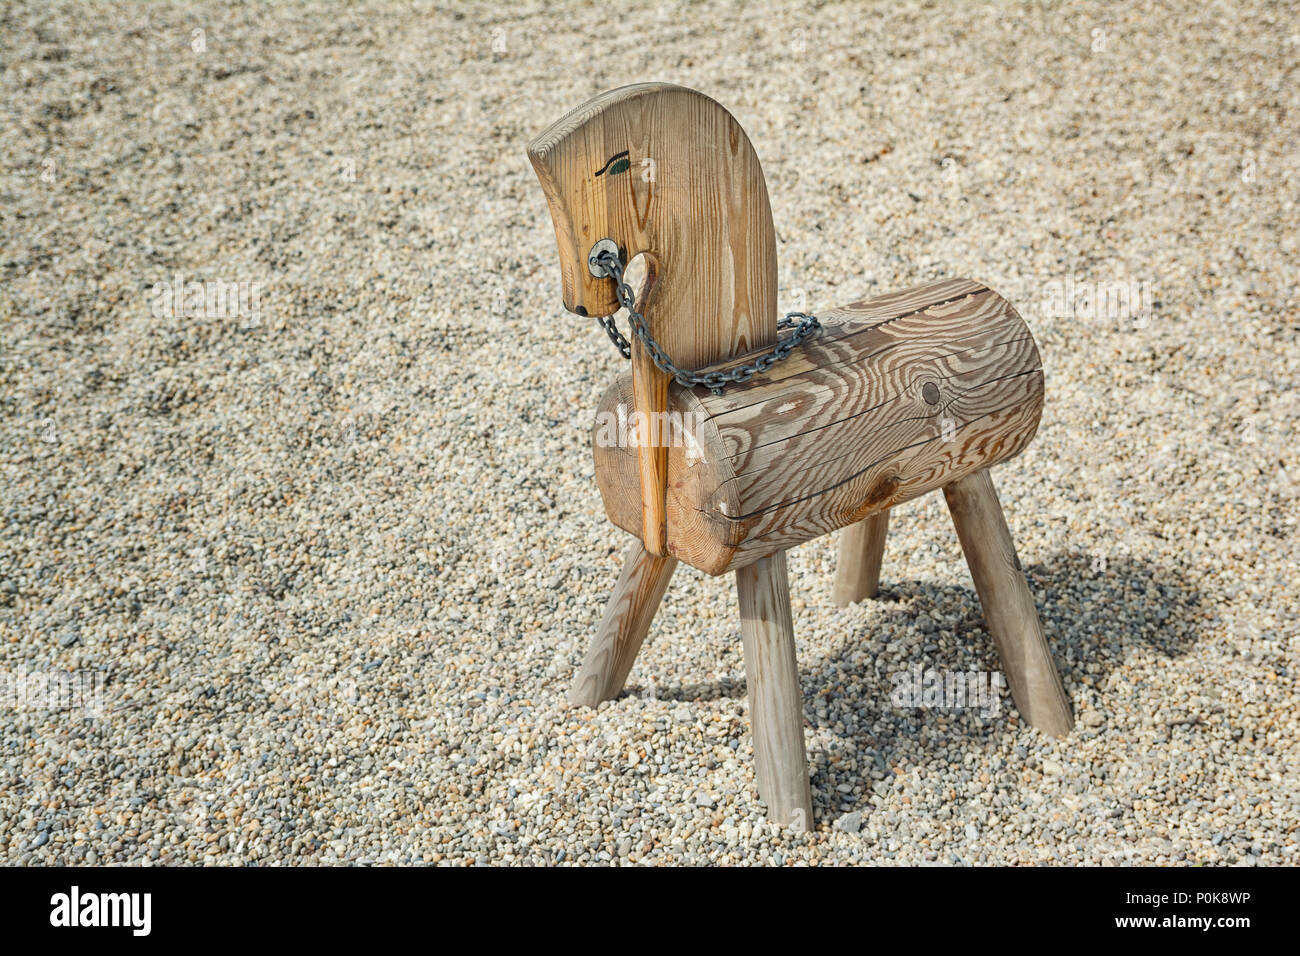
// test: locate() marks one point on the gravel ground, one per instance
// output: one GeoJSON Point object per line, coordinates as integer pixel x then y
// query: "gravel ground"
{"type": "Point", "coordinates": [334, 563]}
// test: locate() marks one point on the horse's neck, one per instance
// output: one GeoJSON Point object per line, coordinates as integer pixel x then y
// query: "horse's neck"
{"type": "Point", "coordinates": [714, 296]}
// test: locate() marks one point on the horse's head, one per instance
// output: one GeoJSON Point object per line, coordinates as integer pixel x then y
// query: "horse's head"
{"type": "Point", "coordinates": [666, 173]}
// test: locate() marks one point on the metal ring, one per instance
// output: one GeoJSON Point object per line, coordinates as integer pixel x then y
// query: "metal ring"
{"type": "Point", "coordinates": [602, 245]}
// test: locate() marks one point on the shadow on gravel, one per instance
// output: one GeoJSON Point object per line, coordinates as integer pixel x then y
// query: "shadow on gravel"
{"type": "Point", "coordinates": [1092, 610]}
{"type": "Point", "coordinates": [1096, 610]}
{"type": "Point", "coordinates": [1095, 613]}
{"type": "Point", "coordinates": [705, 690]}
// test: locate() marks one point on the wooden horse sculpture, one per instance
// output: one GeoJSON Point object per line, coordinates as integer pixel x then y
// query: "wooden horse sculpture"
{"type": "Point", "coordinates": [891, 398]}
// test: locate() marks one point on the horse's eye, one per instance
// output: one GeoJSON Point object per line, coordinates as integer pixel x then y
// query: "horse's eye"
{"type": "Point", "coordinates": [622, 166]}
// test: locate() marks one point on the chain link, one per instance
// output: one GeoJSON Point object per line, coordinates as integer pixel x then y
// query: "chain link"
{"type": "Point", "coordinates": [803, 324]}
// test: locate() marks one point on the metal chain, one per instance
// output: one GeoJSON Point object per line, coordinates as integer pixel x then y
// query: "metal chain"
{"type": "Point", "coordinates": [715, 381]}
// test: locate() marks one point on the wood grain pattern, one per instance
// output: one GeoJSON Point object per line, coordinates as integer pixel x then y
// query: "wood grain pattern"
{"type": "Point", "coordinates": [862, 549]}
{"type": "Point", "coordinates": [631, 608]}
{"type": "Point", "coordinates": [1008, 605]}
{"type": "Point", "coordinates": [775, 698]}
{"type": "Point", "coordinates": [669, 174]}
{"type": "Point", "coordinates": [888, 483]}
{"type": "Point", "coordinates": [650, 395]}
{"type": "Point", "coordinates": [895, 397]}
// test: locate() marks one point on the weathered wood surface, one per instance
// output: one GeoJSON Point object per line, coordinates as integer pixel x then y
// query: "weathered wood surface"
{"type": "Point", "coordinates": [775, 698]}
{"type": "Point", "coordinates": [1008, 605]}
{"type": "Point", "coordinates": [857, 574]}
{"type": "Point", "coordinates": [631, 608]}
{"type": "Point", "coordinates": [897, 396]}
{"type": "Point", "coordinates": [667, 173]}
{"type": "Point", "coordinates": [650, 392]}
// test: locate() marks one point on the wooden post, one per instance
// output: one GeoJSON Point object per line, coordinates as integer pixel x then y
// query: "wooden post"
{"type": "Point", "coordinates": [862, 548]}
{"type": "Point", "coordinates": [650, 398]}
{"type": "Point", "coordinates": [631, 608]}
{"type": "Point", "coordinates": [775, 700]}
{"type": "Point", "coordinates": [1008, 606]}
